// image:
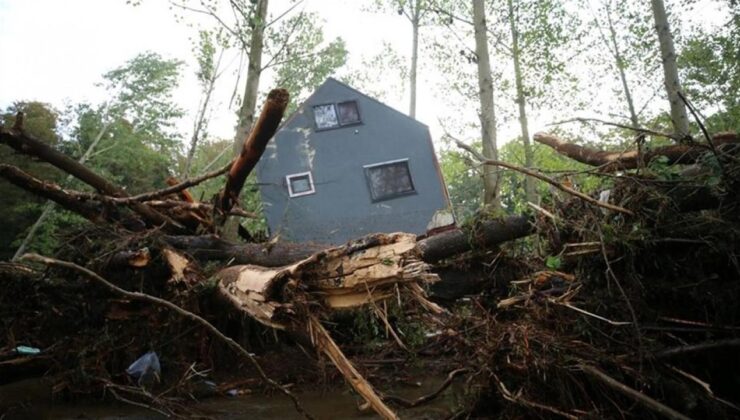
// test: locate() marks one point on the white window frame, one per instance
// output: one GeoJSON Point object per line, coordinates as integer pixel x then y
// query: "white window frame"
{"type": "Point", "coordinates": [290, 187]}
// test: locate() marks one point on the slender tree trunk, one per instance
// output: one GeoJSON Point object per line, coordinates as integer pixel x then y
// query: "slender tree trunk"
{"type": "Point", "coordinates": [249, 101]}
{"type": "Point", "coordinates": [529, 186]}
{"type": "Point", "coordinates": [487, 110]}
{"type": "Point", "coordinates": [670, 69]}
{"type": "Point", "coordinates": [414, 59]}
{"type": "Point", "coordinates": [254, 70]}
{"type": "Point", "coordinates": [200, 121]}
{"type": "Point", "coordinates": [620, 66]}
{"type": "Point", "coordinates": [49, 206]}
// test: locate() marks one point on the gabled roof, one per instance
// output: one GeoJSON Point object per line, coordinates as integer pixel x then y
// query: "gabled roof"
{"type": "Point", "coordinates": [348, 87]}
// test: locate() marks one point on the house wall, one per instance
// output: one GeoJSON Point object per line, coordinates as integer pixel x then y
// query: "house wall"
{"type": "Point", "coordinates": [342, 208]}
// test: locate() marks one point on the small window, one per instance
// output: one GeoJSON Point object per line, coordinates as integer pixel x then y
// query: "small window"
{"type": "Point", "coordinates": [348, 113]}
{"type": "Point", "coordinates": [325, 116]}
{"type": "Point", "coordinates": [389, 179]}
{"type": "Point", "coordinates": [300, 184]}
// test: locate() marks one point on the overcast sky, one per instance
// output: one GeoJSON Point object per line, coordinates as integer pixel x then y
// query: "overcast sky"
{"type": "Point", "coordinates": [55, 51]}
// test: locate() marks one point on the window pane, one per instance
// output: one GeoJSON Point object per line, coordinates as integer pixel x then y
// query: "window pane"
{"type": "Point", "coordinates": [348, 112]}
{"type": "Point", "coordinates": [326, 116]}
{"type": "Point", "coordinates": [389, 180]}
{"type": "Point", "coordinates": [300, 184]}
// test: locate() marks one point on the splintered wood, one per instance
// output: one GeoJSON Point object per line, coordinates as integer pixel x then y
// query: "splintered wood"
{"type": "Point", "coordinates": [294, 297]}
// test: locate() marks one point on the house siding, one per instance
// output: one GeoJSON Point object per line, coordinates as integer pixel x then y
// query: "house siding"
{"type": "Point", "coordinates": [342, 208]}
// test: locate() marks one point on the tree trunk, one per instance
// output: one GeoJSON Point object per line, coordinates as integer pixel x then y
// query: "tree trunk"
{"type": "Point", "coordinates": [529, 186]}
{"type": "Point", "coordinates": [487, 110]}
{"type": "Point", "coordinates": [670, 69]}
{"type": "Point", "coordinates": [249, 101]}
{"type": "Point", "coordinates": [414, 59]}
{"type": "Point", "coordinates": [620, 67]}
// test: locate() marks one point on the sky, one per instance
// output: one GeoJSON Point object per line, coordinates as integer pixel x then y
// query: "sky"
{"type": "Point", "coordinates": [56, 51]}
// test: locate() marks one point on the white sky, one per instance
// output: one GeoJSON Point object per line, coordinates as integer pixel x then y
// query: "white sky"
{"type": "Point", "coordinates": [55, 51]}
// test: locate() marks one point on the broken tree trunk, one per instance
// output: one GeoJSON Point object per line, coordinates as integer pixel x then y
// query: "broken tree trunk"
{"type": "Point", "coordinates": [630, 159]}
{"type": "Point", "coordinates": [253, 148]}
{"type": "Point", "coordinates": [359, 273]}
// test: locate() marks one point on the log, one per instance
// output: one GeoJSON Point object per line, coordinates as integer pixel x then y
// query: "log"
{"type": "Point", "coordinates": [432, 249]}
{"type": "Point", "coordinates": [613, 161]}
{"type": "Point", "coordinates": [254, 146]}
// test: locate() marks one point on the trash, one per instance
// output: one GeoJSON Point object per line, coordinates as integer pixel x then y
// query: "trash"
{"type": "Point", "coordinates": [145, 369]}
{"type": "Point", "coordinates": [27, 351]}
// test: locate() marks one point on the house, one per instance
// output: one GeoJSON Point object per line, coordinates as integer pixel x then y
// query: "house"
{"type": "Point", "coordinates": [345, 165]}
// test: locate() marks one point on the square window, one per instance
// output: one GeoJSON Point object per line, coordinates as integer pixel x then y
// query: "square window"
{"type": "Point", "coordinates": [348, 113]}
{"type": "Point", "coordinates": [389, 179]}
{"type": "Point", "coordinates": [300, 184]}
{"type": "Point", "coordinates": [325, 116]}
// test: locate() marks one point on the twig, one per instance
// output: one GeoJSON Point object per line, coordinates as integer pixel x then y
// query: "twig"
{"type": "Point", "coordinates": [541, 177]}
{"type": "Point", "coordinates": [169, 190]}
{"type": "Point", "coordinates": [601, 318]}
{"type": "Point", "coordinates": [184, 313]}
{"type": "Point", "coordinates": [639, 396]}
{"type": "Point", "coordinates": [693, 348]}
{"type": "Point", "coordinates": [518, 399]}
{"type": "Point", "coordinates": [426, 398]}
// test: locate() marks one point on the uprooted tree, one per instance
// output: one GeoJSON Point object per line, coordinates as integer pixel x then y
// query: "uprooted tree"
{"type": "Point", "coordinates": [165, 237]}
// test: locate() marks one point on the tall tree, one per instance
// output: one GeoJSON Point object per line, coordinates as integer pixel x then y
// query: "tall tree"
{"type": "Point", "coordinates": [415, 11]}
{"type": "Point", "coordinates": [679, 117]}
{"type": "Point", "coordinates": [209, 64]}
{"type": "Point", "coordinates": [487, 109]}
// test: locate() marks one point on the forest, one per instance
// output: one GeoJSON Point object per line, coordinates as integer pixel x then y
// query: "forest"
{"type": "Point", "coordinates": [588, 152]}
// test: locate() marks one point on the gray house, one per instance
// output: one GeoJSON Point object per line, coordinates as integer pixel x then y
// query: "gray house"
{"type": "Point", "coordinates": [345, 165]}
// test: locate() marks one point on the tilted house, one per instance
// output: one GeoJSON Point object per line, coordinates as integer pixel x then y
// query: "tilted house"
{"type": "Point", "coordinates": [345, 165]}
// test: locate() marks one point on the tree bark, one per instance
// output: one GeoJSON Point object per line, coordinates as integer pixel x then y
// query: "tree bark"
{"type": "Point", "coordinates": [529, 186]}
{"type": "Point", "coordinates": [670, 69]}
{"type": "Point", "coordinates": [487, 110]}
{"type": "Point", "coordinates": [262, 132]}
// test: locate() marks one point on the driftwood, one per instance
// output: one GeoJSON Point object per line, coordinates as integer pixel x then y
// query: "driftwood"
{"type": "Point", "coordinates": [612, 161]}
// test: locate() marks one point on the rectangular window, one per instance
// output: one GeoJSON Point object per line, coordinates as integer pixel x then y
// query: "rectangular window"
{"type": "Point", "coordinates": [336, 115]}
{"type": "Point", "coordinates": [389, 179]}
{"type": "Point", "coordinates": [348, 113]}
{"type": "Point", "coordinates": [325, 116]}
{"type": "Point", "coordinates": [300, 184]}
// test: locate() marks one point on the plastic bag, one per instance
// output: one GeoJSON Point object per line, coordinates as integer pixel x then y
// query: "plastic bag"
{"type": "Point", "coordinates": [145, 369]}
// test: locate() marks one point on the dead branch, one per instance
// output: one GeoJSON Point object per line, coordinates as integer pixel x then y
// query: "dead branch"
{"type": "Point", "coordinates": [23, 143]}
{"type": "Point", "coordinates": [91, 211]}
{"type": "Point", "coordinates": [637, 395]}
{"type": "Point", "coordinates": [403, 402]}
{"type": "Point", "coordinates": [550, 181]}
{"type": "Point", "coordinates": [612, 161]}
{"type": "Point", "coordinates": [199, 206]}
{"type": "Point", "coordinates": [180, 311]}
{"type": "Point", "coordinates": [254, 146]}
{"type": "Point", "coordinates": [694, 348]}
